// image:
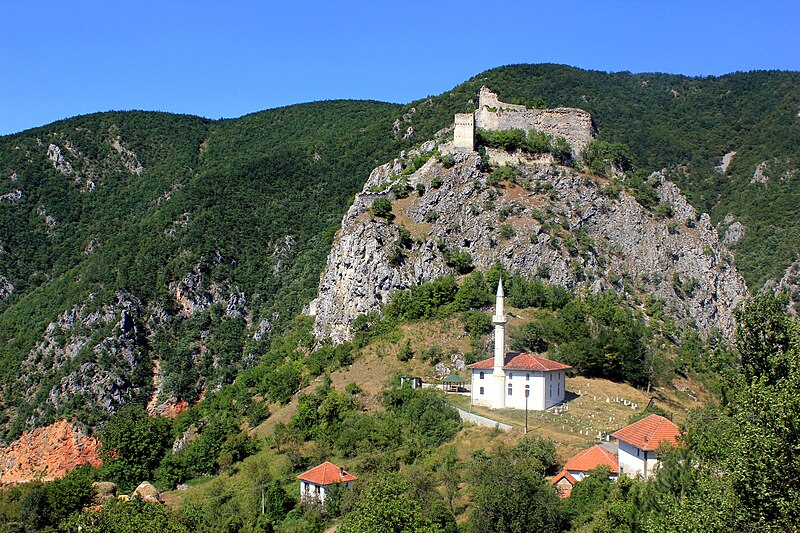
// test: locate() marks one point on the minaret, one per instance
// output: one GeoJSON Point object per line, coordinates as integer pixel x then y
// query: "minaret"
{"type": "Point", "coordinates": [499, 320]}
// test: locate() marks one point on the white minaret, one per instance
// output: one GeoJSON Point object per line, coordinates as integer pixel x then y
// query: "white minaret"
{"type": "Point", "coordinates": [499, 320]}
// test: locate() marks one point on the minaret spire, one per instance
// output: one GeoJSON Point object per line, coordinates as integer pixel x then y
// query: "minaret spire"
{"type": "Point", "coordinates": [499, 320]}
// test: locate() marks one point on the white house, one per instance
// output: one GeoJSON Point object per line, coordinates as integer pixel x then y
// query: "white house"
{"type": "Point", "coordinates": [509, 379]}
{"type": "Point", "coordinates": [315, 483]}
{"type": "Point", "coordinates": [639, 441]}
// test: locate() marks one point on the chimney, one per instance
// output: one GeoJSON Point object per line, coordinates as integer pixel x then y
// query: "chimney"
{"type": "Point", "coordinates": [341, 472]}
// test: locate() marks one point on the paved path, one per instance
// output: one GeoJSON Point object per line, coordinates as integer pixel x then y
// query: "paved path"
{"type": "Point", "coordinates": [466, 416]}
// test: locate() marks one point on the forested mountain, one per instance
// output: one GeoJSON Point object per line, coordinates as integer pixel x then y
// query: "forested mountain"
{"type": "Point", "coordinates": [130, 236]}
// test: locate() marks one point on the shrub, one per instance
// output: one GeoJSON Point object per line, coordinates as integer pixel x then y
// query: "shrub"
{"type": "Point", "coordinates": [382, 207]}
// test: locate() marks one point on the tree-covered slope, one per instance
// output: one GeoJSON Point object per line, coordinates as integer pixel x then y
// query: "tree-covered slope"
{"type": "Point", "coordinates": [145, 236]}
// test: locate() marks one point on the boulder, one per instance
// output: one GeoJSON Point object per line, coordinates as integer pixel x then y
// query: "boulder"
{"type": "Point", "coordinates": [147, 492]}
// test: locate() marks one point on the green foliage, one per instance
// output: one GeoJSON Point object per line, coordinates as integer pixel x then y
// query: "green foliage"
{"type": "Point", "coordinates": [603, 157]}
{"type": "Point", "coordinates": [405, 353]}
{"type": "Point", "coordinates": [533, 142]}
{"type": "Point", "coordinates": [476, 323]}
{"type": "Point", "coordinates": [599, 337]}
{"type": "Point", "coordinates": [461, 261]}
{"type": "Point", "coordinates": [510, 495]}
{"type": "Point", "coordinates": [527, 338]}
{"type": "Point", "coordinates": [132, 445]}
{"type": "Point", "coordinates": [126, 517]}
{"type": "Point", "coordinates": [381, 207]}
{"type": "Point", "coordinates": [386, 505]}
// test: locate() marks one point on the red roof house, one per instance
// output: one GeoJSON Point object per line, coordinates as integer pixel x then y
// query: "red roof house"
{"type": "Point", "coordinates": [316, 482]}
{"type": "Point", "coordinates": [579, 465]}
{"type": "Point", "coordinates": [639, 442]}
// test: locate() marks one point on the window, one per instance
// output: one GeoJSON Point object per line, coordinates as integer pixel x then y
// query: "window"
{"type": "Point", "coordinates": [527, 390]}
{"type": "Point", "coordinates": [527, 377]}
{"type": "Point", "coordinates": [558, 391]}
{"type": "Point", "coordinates": [481, 375]}
{"type": "Point", "coordinates": [481, 391]}
{"type": "Point", "coordinates": [551, 376]}
{"type": "Point", "coordinates": [551, 390]}
{"type": "Point", "coordinates": [510, 375]}
{"type": "Point", "coordinates": [509, 389]}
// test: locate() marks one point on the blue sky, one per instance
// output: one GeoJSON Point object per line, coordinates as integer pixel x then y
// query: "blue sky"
{"type": "Point", "coordinates": [226, 59]}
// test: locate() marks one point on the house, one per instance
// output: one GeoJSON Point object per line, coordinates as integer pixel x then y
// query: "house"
{"type": "Point", "coordinates": [315, 483]}
{"type": "Point", "coordinates": [579, 465]}
{"type": "Point", "coordinates": [516, 380]}
{"type": "Point", "coordinates": [639, 441]}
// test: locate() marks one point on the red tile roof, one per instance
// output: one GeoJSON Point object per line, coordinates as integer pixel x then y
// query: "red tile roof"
{"type": "Point", "coordinates": [564, 492]}
{"type": "Point", "coordinates": [649, 432]}
{"type": "Point", "coordinates": [522, 361]}
{"type": "Point", "coordinates": [592, 458]}
{"type": "Point", "coordinates": [326, 474]}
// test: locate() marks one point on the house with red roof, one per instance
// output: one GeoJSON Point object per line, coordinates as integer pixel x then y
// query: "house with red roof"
{"type": "Point", "coordinates": [579, 465]}
{"type": "Point", "coordinates": [516, 380]}
{"type": "Point", "coordinates": [315, 483]}
{"type": "Point", "coordinates": [639, 441]}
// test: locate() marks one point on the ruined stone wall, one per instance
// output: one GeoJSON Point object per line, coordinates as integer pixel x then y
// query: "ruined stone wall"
{"type": "Point", "coordinates": [464, 136]}
{"type": "Point", "coordinates": [575, 125]}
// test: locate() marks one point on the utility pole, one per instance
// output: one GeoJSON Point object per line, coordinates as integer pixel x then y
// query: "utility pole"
{"type": "Point", "coordinates": [262, 497]}
{"type": "Point", "coordinates": [527, 392]}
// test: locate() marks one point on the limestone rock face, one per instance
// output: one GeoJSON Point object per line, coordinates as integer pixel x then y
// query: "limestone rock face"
{"type": "Point", "coordinates": [553, 221]}
{"type": "Point", "coordinates": [48, 452]}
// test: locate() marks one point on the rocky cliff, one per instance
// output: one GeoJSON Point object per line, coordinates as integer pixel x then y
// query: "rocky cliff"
{"type": "Point", "coordinates": [47, 453]}
{"type": "Point", "coordinates": [579, 231]}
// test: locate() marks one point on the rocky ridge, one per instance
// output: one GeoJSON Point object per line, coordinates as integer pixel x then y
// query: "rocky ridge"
{"type": "Point", "coordinates": [579, 231]}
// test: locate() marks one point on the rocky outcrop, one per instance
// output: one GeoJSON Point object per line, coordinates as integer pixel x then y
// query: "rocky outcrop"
{"type": "Point", "coordinates": [789, 284]}
{"type": "Point", "coordinates": [47, 453]}
{"type": "Point", "coordinates": [552, 220]}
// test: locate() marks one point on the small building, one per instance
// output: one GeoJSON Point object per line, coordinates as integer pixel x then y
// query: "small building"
{"type": "Point", "coordinates": [315, 483]}
{"type": "Point", "coordinates": [453, 383]}
{"type": "Point", "coordinates": [639, 441]}
{"type": "Point", "coordinates": [516, 380]}
{"type": "Point", "coordinates": [413, 382]}
{"type": "Point", "coordinates": [579, 465]}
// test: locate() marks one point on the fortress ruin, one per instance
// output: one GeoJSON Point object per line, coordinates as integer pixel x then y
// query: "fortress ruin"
{"type": "Point", "coordinates": [574, 125]}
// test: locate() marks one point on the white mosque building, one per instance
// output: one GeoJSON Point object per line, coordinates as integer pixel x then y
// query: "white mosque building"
{"type": "Point", "coordinates": [507, 379]}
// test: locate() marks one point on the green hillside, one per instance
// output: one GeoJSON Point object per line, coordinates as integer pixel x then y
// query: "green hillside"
{"type": "Point", "coordinates": [139, 200]}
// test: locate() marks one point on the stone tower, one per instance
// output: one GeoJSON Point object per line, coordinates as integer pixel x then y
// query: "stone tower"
{"type": "Point", "coordinates": [464, 136]}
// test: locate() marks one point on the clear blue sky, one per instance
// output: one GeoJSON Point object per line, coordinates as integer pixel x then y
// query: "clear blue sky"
{"type": "Point", "coordinates": [229, 58]}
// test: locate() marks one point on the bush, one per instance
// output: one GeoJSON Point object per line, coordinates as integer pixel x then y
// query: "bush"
{"type": "Point", "coordinates": [382, 207]}
{"type": "Point", "coordinates": [476, 323]}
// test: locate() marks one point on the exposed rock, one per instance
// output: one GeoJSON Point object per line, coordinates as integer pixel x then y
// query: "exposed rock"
{"type": "Point", "coordinates": [11, 197]}
{"type": "Point", "coordinates": [111, 348]}
{"type": "Point", "coordinates": [57, 159]}
{"type": "Point", "coordinates": [788, 284]}
{"type": "Point", "coordinates": [625, 246]}
{"type": "Point", "coordinates": [733, 234]}
{"type": "Point", "coordinates": [722, 168]}
{"type": "Point", "coordinates": [6, 288]}
{"type": "Point", "coordinates": [128, 157]}
{"type": "Point", "coordinates": [47, 453]}
{"type": "Point", "coordinates": [147, 492]}
{"type": "Point", "coordinates": [760, 175]}
{"type": "Point", "coordinates": [104, 491]}
{"type": "Point", "coordinates": [194, 295]}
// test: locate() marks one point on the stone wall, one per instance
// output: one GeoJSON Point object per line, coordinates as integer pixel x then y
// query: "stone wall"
{"type": "Point", "coordinates": [575, 125]}
{"type": "Point", "coordinates": [464, 136]}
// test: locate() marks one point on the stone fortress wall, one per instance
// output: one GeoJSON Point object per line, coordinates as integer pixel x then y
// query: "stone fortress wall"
{"type": "Point", "coordinates": [464, 135]}
{"type": "Point", "coordinates": [575, 125]}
